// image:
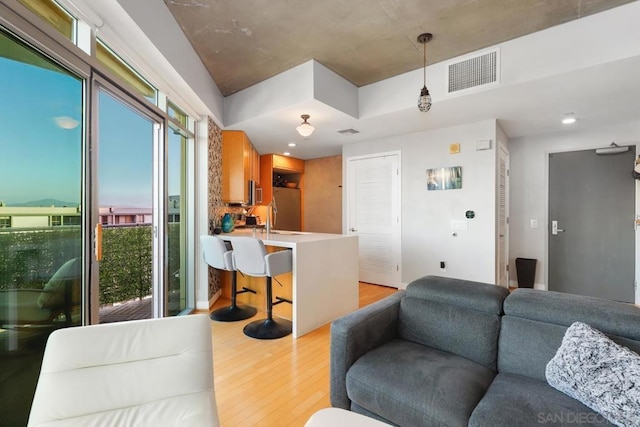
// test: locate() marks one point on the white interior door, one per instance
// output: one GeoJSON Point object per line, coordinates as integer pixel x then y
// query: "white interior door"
{"type": "Point", "coordinates": [502, 274]}
{"type": "Point", "coordinates": [374, 215]}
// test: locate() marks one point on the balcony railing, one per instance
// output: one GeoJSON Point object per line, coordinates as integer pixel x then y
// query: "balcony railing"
{"type": "Point", "coordinates": [30, 256]}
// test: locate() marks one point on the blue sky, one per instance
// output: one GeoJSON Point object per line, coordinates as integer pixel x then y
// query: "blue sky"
{"type": "Point", "coordinates": [38, 159]}
{"type": "Point", "coordinates": [125, 155]}
{"type": "Point", "coordinates": [41, 160]}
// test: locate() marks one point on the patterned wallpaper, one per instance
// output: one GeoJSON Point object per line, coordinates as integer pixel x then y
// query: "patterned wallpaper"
{"type": "Point", "coordinates": [216, 207]}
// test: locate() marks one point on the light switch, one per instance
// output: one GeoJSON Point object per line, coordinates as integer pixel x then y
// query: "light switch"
{"type": "Point", "coordinates": [534, 223]}
{"type": "Point", "coordinates": [484, 144]}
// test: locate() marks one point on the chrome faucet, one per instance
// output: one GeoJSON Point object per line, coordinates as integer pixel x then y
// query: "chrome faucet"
{"type": "Point", "coordinates": [271, 217]}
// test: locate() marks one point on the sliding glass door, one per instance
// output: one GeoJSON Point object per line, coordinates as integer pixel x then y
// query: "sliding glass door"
{"type": "Point", "coordinates": [128, 227]}
{"type": "Point", "coordinates": [41, 215]}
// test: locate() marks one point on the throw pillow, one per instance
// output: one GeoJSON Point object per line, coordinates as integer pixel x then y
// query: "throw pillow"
{"type": "Point", "coordinates": [603, 375]}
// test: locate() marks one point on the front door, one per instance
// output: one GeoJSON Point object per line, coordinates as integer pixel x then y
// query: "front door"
{"type": "Point", "coordinates": [591, 224]}
{"type": "Point", "coordinates": [374, 216]}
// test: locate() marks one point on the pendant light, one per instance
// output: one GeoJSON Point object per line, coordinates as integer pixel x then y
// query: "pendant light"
{"type": "Point", "coordinates": [305, 129]}
{"type": "Point", "coordinates": [424, 101]}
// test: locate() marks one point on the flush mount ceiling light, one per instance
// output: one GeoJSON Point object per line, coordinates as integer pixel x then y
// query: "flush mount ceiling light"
{"type": "Point", "coordinates": [291, 144]}
{"type": "Point", "coordinates": [305, 129]}
{"type": "Point", "coordinates": [66, 122]}
{"type": "Point", "coordinates": [569, 119]}
{"type": "Point", "coordinates": [424, 101]}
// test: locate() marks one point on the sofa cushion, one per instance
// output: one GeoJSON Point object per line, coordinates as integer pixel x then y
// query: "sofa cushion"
{"type": "Point", "coordinates": [455, 316]}
{"type": "Point", "coordinates": [535, 322]}
{"type": "Point", "coordinates": [411, 385]}
{"type": "Point", "coordinates": [599, 373]}
{"type": "Point", "coordinates": [476, 296]}
{"type": "Point", "coordinates": [515, 401]}
{"type": "Point", "coordinates": [610, 317]}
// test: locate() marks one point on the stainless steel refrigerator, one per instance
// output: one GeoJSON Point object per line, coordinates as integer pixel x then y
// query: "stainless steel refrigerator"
{"type": "Point", "coordinates": [288, 205]}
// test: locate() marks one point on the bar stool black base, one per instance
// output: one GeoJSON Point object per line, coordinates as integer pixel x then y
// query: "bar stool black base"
{"type": "Point", "coordinates": [233, 313]}
{"type": "Point", "coordinates": [268, 329]}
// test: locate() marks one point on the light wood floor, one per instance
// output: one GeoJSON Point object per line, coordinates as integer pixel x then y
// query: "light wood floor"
{"type": "Point", "coordinates": [273, 382]}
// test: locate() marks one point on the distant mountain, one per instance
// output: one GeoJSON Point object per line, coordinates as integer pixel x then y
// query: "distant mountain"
{"type": "Point", "coordinates": [44, 203]}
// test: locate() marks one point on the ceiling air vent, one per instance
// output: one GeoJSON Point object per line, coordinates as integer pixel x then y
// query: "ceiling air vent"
{"type": "Point", "coordinates": [349, 131]}
{"type": "Point", "coordinates": [473, 72]}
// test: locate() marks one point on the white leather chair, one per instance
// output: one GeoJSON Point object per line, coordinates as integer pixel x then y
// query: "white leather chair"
{"type": "Point", "coordinates": [251, 258]}
{"type": "Point", "coordinates": [156, 372]}
{"type": "Point", "coordinates": [216, 255]}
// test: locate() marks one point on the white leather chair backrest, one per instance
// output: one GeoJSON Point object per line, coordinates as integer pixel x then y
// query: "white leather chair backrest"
{"type": "Point", "coordinates": [156, 372]}
{"type": "Point", "coordinates": [248, 255]}
{"type": "Point", "coordinates": [216, 254]}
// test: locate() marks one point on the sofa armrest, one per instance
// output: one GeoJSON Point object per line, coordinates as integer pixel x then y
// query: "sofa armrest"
{"type": "Point", "coordinates": [354, 335]}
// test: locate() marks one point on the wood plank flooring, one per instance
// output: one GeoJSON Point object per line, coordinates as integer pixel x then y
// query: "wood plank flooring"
{"type": "Point", "coordinates": [273, 382]}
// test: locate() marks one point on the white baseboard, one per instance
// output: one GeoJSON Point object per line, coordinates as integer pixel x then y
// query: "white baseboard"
{"type": "Point", "coordinates": [206, 305]}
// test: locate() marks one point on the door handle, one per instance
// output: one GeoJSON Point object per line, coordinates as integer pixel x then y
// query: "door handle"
{"type": "Point", "coordinates": [554, 228]}
{"type": "Point", "coordinates": [353, 230]}
{"type": "Point", "coordinates": [98, 242]}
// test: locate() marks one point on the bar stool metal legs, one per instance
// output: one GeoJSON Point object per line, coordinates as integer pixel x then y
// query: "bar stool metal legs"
{"type": "Point", "coordinates": [234, 312]}
{"type": "Point", "coordinates": [217, 255]}
{"type": "Point", "coordinates": [269, 328]}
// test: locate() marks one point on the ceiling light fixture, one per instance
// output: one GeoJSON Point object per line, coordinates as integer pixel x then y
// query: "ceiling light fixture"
{"type": "Point", "coordinates": [424, 101]}
{"type": "Point", "coordinates": [66, 122]}
{"type": "Point", "coordinates": [569, 119]}
{"type": "Point", "coordinates": [305, 129]}
{"type": "Point", "coordinates": [613, 148]}
{"type": "Point", "coordinates": [286, 153]}
{"type": "Point", "coordinates": [291, 144]}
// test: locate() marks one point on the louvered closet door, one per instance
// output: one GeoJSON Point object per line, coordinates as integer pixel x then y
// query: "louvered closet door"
{"type": "Point", "coordinates": [374, 215]}
{"type": "Point", "coordinates": [503, 220]}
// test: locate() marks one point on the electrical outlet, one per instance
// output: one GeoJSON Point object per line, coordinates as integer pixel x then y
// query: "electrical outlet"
{"type": "Point", "coordinates": [443, 266]}
{"type": "Point", "coordinates": [534, 223]}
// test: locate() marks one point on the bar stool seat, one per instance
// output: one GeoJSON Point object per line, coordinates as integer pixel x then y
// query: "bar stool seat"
{"type": "Point", "coordinates": [251, 258]}
{"type": "Point", "coordinates": [217, 255]}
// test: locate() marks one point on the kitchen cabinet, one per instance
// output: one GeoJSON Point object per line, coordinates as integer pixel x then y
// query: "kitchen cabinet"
{"type": "Point", "coordinates": [240, 166]}
{"type": "Point", "coordinates": [275, 163]}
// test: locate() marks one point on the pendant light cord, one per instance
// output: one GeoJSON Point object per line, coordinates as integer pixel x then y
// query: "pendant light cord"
{"type": "Point", "coordinates": [425, 65]}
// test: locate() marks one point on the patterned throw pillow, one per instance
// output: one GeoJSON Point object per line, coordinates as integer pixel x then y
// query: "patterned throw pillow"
{"type": "Point", "coordinates": [603, 375]}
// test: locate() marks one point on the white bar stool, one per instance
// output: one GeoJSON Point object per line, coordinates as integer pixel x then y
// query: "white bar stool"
{"type": "Point", "coordinates": [217, 255]}
{"type": "Point", "coordinates": [251, 258]}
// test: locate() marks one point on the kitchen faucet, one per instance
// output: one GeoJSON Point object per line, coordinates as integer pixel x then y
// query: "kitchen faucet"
{"type": "Point", "coordinates": [271, 206]}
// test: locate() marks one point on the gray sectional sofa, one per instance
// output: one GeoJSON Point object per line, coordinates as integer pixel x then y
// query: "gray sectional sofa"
{"type": "Point", "coordinates": [449, 352]}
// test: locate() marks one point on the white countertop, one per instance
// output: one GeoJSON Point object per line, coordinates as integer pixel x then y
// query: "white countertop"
{"type": "Point", "coordinates": [282, 238]}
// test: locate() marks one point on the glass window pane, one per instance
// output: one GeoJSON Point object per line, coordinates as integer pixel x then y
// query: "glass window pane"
{"type": "Point", "coordinates": [176, 220]}
{"type": "Point", "coordinates": [51, 12]}
{"type": "Point", "coordinates": [41, 174]}
{"type": "Point", "coordinates": [125, 191]}
{"type": "Point", "coordinates": [112, 61]}
{"type": "Point", "coordinates": [177, 114]}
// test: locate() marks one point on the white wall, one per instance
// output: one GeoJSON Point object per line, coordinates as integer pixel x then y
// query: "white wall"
{"type": "Point", "coordinates": [529, 186]}
{"type": "Point", "coordinates": [426, 234]}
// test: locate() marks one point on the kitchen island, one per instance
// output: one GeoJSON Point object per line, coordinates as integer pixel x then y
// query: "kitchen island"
{"type": "Point", "coordinates": [323, 284]}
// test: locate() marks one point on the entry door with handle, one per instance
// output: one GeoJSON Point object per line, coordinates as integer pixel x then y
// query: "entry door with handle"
{"type": "Point", "coordinates": [591, 224]}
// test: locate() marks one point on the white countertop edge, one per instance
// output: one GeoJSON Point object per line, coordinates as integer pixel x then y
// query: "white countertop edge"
{"type": "Point", "coordinates": [283, 240]}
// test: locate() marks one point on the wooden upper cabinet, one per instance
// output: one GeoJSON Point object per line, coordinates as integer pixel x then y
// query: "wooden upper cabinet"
{"type": "Point", "coordinates": [239, 166]}
{"type": "Point", "coordinates": [270, 163]}
{"type": "Point", "coordinates": [287, 164]}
